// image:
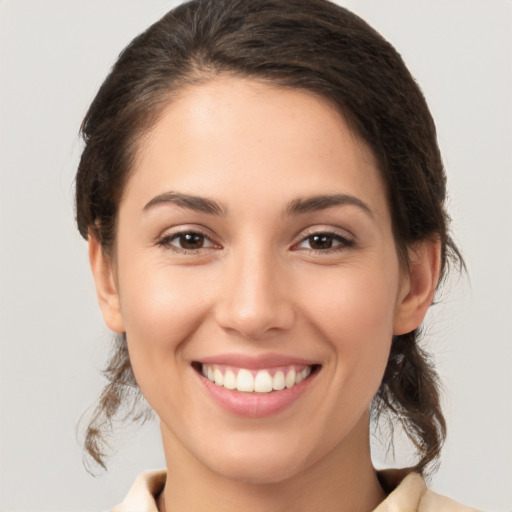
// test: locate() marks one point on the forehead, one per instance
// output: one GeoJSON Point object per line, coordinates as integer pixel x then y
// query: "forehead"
{"type": "Point", "coordinates": [245, 135]}
{"type": "Point", "coordinates": [225, 104]}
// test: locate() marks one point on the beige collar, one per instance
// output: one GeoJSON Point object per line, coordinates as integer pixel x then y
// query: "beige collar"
{"type": "Point", "coordinates": [407, 493]}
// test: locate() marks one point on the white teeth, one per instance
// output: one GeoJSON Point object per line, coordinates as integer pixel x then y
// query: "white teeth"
{"type": "Point", "coordinates": [305, 373]}
{"type": "Point", "coordinates": [302, 375]}
{"type": "Point", "coordinates": [219, 378]}
{"type": "Point", "coordinates": [278, 381]}
{"type": "Point", "coordinates": [263, 382]}
{"type": "Point", "coordinates": [245, 381]}
{"type": "Point", "coordinates": [290, 379]}
{"type": "Point", "coordinates": [259, 381]}
{"type": "Point", "coordinates": [229, 380]}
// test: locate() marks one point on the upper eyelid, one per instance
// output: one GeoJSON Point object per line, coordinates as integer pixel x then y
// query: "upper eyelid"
{"type": "Point", "coordinates": [166, 242]}
{"type": "Point", "coordinates": [344, 242]}
{"type": "Point", "coordinates": [215, 239]}
{"type": "Point", "coordinates": [174, 236]}
{"type": "Point", "coordinates": [175, 231]}
{"type": "Point", "coordinates": [336, 236]}
{"type": "Point", "coordinates": [327, 230]}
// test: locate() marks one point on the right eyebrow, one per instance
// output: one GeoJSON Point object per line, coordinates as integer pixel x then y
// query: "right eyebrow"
{"type": "Point", "coordinates": [191, 202]}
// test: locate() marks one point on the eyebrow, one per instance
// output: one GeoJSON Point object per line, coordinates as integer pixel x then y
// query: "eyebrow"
{"type": "Point", "coordinates": [195, 203]}
{"type": "Point", "coordinates": [322, 202]}
{"type": "Point", "coordinates": [295, 207]}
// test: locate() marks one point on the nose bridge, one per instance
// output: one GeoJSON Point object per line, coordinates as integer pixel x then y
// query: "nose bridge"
{"type": "Point", "coordinates": [255, 300]}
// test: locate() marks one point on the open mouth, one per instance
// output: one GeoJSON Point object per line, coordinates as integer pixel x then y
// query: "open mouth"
{"type": "Point", "coordinates": [265, 380]}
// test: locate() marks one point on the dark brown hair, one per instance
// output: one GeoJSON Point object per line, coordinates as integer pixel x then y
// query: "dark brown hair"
{"type": "Point", "coordinates": [313, 45]}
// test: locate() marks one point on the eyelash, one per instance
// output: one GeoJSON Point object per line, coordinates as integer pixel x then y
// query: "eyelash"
{"type": "Point", "coordinates": [166, 241]}
{"type": "Point", "coordinates": [342, 242]}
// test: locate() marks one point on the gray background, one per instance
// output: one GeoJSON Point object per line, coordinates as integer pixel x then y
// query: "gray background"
{"type": "Point", "coordinates": [53, 56]}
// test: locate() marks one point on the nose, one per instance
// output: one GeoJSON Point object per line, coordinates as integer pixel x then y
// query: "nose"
{"type": "Point", "coordinates": [256, 302]}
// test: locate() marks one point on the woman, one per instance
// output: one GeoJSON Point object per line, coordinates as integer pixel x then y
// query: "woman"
{"type": "Point", "coordinates": [263, 198]}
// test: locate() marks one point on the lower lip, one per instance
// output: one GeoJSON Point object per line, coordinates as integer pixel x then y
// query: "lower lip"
{"type": "Point", "coordinates": [255, 405]}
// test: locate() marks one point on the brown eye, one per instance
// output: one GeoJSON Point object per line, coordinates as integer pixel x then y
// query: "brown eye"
{"type": "Point", "coordinates": [321, 241]}
{"type": "Point", "coordinates": [325, 242]}
{"type": "Point", "coordinates": [186, 241]}
{"type": "Point", "coordinates": [190, 241]}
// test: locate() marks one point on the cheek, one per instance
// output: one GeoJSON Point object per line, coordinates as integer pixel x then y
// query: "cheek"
{"type": "Point", "coordinates": [354, 311]}
{"type": "Point", "coordinates": [159, 301]}
{"type": "Point", "coordinates": [161, 310]}
{"type": "Point", "coordinates": [358, 302]}
{"type": "Point", "coordinates": [150, 310]}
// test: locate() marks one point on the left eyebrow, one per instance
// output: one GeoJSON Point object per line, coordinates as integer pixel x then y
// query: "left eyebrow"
{"type": "Point", "coordinates": [322, 202]}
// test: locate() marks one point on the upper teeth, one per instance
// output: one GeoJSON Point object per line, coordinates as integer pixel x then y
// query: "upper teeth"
{"type": "Point", "coordinates": [259, 381]}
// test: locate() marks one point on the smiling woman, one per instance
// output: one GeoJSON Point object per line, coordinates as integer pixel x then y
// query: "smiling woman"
{"type": "Point", "coordinates": [263, 198]}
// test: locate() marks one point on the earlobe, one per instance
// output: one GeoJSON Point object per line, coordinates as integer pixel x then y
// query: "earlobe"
{"type": "Point", "coordinates": [420, 286]}
{"type": "Point", "coordinates": [106, 287]}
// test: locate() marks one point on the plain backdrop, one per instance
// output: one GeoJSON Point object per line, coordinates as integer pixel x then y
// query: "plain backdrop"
{"type": "Point", "coordinates": [53, 56]}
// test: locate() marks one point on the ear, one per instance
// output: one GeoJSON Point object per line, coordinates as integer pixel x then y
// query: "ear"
{"type": "Point", "coordinates": [106, 287]}
{"type": "Point", "coordinates": [419, 286]}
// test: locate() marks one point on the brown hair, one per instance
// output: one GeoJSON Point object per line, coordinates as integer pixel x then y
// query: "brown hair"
{"type": "Point", "coordinates": [313, 45]}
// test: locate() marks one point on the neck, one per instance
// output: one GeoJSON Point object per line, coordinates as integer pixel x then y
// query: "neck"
{"type": "Point", "coordinates": [343, 480]}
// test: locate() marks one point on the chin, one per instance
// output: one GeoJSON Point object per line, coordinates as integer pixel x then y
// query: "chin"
{"type": "Point", "coordinates": [258, 471]}
{"type": "Point", "coordinates": [262, 463]}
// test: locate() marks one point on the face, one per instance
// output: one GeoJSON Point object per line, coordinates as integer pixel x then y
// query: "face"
{"type": "Point", "coordinates": [256, 278]}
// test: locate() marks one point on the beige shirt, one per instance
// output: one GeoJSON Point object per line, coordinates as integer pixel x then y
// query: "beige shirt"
{"type": "Point", "coordinates": [410, 494]}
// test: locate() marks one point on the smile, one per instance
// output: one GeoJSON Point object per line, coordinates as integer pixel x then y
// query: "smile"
{"type": "Point", "coordinates": [255, 387]}
{"type": "Point", "coordinates": [256, 381]}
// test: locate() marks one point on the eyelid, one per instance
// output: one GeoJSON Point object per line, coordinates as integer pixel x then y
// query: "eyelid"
{"type": "Point", "coordinates": [177, 236]}
{"type": "Point", "coordinates": [173, 233]}
{"type": "Point", "coordinates": [346, 239]}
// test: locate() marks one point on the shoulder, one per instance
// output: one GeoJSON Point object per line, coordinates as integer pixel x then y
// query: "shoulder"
{"type": "Point", "coordinates": [142, 494]}
{"type": "Point", "coordinates": [432, 502]}
{"type": "Point", "coordinates": [408, 493]}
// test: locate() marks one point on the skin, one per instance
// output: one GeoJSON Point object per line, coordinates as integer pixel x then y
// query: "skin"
{"type": "Point", "coordinates": [258, 284]}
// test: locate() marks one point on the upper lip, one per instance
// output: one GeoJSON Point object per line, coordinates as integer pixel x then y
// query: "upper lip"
{"type": "Point", "coordinates": [255, 362]}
